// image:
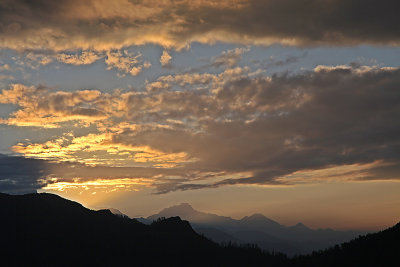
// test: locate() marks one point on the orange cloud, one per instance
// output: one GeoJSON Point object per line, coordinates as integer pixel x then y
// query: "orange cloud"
{"type": "Point", "coordinates": [85, 58]}
{"type": "Point", "coordinates": [42, 108]}
{"type": "Point", "coordinates": [99, 149]}
{"type": "Point", "coordinates": [165, 58]}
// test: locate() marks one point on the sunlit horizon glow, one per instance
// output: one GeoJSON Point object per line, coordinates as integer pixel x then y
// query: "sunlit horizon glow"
{"type": "Point", "coordinates": [101, 185]}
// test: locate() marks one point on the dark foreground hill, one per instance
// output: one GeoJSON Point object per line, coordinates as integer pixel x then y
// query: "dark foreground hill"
{"type": "Point", "coordinates": [373, 250]}
{"type": "Point", "coordinates": [47, 230]}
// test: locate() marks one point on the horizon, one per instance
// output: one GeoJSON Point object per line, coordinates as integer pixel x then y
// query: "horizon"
{"type": "Point", "coordinates": [238, 217]}
{"type": "Point", "coordinates": [286, 221]}
{"type": "Point", "coordinates": [235, 106]}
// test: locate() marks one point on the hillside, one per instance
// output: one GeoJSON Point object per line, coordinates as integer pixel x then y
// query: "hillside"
{"type": "Point", "coordinates": [47, 230]}
{"type": "Point", "coordinates": [377, 249]}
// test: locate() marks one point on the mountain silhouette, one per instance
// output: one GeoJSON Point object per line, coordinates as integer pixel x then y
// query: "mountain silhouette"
{"type": "Point", "coordinates": [117, 212]}
{"type": "Point", "coordinates": [218, 236]}
{"type": "Point", "coordinates": [371, 250]}
{"type": "Point", "coordinates": [257, 229]}
{"type": "Point", "coordinates": [47, 230]}
{"type": "Point", "coordinates": [186, 212]}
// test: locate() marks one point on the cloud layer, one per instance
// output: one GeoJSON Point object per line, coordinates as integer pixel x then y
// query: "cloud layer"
{"type": "Point", "coordinates": [197, 130]}
{"type": "Point", "coordinates": [104, 25]}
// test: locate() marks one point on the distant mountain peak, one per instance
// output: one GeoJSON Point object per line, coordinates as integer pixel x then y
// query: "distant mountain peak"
{"type": "Point", "coordinates": [117, 212]}
{"type": "Point", "coordinates": [183, 207]}
{"type": "Point", "coordinates": [257, 216]}
{"type": "Point", "coordinates": [255, 229]}
{"type": "Point", "coordinates": [187, 212]}
{"type": "Point", "coordinates": [173, 224]}
{"type": "Point", "coordinates": [184, 210]}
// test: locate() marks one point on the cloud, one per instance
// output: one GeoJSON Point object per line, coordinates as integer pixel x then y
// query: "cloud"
{"type": "Point", "coordinates": [126, 62]}
{"type": "Point", "coordinates": [275, 127]}
{"type": "Point", "coordinates": [42, 108]}
{"type": "Point", "coordinates": [5, 67]}
{"type": "Point", "coordinates": [208, 130]}
{"type": "Point", "coordinates": [19, 175]}
{"type": "Point", "coordinates": [34, 60]}
{"type": "Point", "coordinates": [6, 77]}
{"type": "Point", "coordinates": [100, 25]}
{"type": "Point", "coordinates": [41, 59]}
{"type": "Point", "coordinates": [206, 80]}
{"type": "Point", "coordinates": [229, 58]}
{"type": "Point", "coordinates": [99, 149]}
{"type": "Point", "coordinates": [85, 58]}
{"type": "Point", "coordinates": [165, 58]}
{"type": "Point", "coordinates": [122, 60]}
{"type": "Point", "coordinates": [273, 62]}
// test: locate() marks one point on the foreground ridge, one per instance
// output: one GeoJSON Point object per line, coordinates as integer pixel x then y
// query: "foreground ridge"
{"type": "Point", "coordinates": [47, 230]}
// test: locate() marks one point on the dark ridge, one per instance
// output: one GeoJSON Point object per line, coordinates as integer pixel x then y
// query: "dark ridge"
{"type": "Point", "coordinates": [47, 230]}
{"type": "Point", "coordinates": [377, 249]}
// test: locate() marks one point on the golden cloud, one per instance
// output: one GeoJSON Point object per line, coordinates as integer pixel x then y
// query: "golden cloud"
{"type": "Point", "coordinates": [99, 149]}
{"type": "Point", "coordinates": [85, 58]}
{"type": "Point", "coordinates": [42, 108]}
{"type": "Point", "coordinates": [165, 58]}
{"type": "Point", "coordinates": [126, 62]}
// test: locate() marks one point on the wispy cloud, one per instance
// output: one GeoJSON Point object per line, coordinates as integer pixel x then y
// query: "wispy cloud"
{"type": "Point", "coordinates": [229, 58]}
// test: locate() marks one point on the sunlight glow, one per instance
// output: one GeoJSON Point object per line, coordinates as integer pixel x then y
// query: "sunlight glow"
{"type": "Point", "coordinates": [99, 149]}
{"type": "Point", "coordinates": [99, 185]}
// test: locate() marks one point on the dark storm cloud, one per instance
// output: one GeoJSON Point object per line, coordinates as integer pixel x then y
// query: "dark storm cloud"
{"type": "Point", "coordinates": [72, 24]}
{"type": "Point", "coordinates": [20, 175]}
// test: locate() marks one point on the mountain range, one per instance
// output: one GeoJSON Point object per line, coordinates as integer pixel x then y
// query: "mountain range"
{"type": "Point", "coordinates": [47, 230]}
{"type": "Point", "coordinates": [256, 229]}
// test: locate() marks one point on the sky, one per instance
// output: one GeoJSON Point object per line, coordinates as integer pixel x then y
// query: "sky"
{"type": "Point", "coordinates": [286, 108]}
